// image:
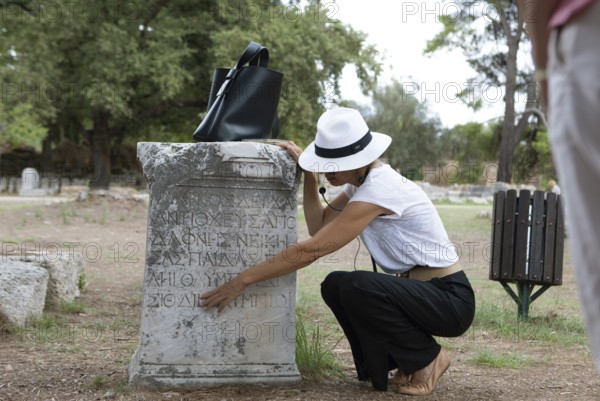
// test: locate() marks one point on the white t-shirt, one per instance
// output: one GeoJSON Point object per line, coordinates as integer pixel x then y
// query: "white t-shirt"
{"type": "Point", "coordinates": [414, 235]}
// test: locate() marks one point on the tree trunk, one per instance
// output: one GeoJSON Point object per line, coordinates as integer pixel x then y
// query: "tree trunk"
{"type": "Point", "coordinates": [53, 135]}
{"type": "Point", "coordinates": [47, 151]}
{"type": "Point", "coordinates": [100, 147]}
{"type": "Point", "coordinates": [508, 139]}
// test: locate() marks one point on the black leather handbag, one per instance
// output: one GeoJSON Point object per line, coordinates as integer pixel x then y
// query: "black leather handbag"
{"type": "Point", "coordinates": [243, 100]}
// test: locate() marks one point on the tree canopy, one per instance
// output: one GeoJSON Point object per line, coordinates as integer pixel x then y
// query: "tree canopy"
{"type": "Point", "coordinates": [107, 72]}
{"type": "Point", "coordinates": [414, 132]}
{"type": "Point", "coordinates": [489, 33]}
{"type": "Point", "coordinates": [18, 127]}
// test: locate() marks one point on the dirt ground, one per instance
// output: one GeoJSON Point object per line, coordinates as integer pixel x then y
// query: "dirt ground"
{"type": "Point", "coordinates": [84, 356]}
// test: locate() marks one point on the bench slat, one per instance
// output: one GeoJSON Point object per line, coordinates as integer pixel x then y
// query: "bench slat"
{"type": "Point", "coordinates": [560, 240]}
{"type": "Point", "coordinates": [497, 226]}
{"type": "Point", "coordinates": [508, 236]}
{"type": "Point", "coordinates": [522, 240]}
{"type": "Point", "coordinates": [536, 244]}
{"type": "Point", "coordinates": [550, 238]}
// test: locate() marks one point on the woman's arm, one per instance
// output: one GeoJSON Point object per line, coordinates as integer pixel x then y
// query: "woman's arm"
{"type": "Point", "coordinates": [333, 236]}
{"type": "Point", "coordinates": [536, 15]}
{"type": "Point", "coordinates": [316, 215]}
{"type": "Point", "coordinates": [313, 210]}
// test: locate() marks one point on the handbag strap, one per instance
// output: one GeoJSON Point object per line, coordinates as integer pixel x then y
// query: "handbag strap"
{"type": "Point", "coordinates": [255, 55]}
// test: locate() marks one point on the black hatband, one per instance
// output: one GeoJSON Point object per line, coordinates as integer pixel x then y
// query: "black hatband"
{"type": "Point", "coordinates": [346, 150]}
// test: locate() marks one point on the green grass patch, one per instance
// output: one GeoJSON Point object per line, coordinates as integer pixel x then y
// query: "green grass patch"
{"type": "Point", "coordinates": [301, 218]}
{"type": "Point", "coordinates": [314, 358]}
{"type": "Point", "coordinates": [501, 322]}
{"type": "Point", "coordinates": [82, 282]}
{"type": "Point", "coordinates": [102, 219]}
{"type": "Point", "coordinates": [120, 389]}
{"type": "Point", "coordinates": [446, 202]}
{"type": "Point", "coordinates": [462, 221]}
{"type": "Point", "coordinates": [45, 322]}
{"type": "Point", "coordinates": [67, 211]}
{"type": "Point", "coordinates": [71, 307]}
{"type": "Point", "coordinates": [39, 213]}
{"type": "Point", "coordinates": [17, 206]}
{"type": "Point", "coordinates": [511, 360]}
{"type": "Point", "coordinates": [98, 381]}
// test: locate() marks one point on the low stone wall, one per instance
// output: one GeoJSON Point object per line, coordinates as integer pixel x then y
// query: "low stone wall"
{"type": "Point", "coordinates": [479, 194]}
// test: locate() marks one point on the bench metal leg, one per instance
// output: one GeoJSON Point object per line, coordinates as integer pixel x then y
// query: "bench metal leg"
{"type": "Point", "coordinates": [524, 300]}
{"type": "Point", "coordinates": [523, 297]}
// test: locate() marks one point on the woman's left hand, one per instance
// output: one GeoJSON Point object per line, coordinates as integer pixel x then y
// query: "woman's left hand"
{"type": "Point", "coordinates": [293, 150]}
{"type": "Point", "coordinates": [223, 295]}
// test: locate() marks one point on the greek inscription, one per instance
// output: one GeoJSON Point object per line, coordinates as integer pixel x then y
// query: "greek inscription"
{"type": "Point", "coordinates": [168, 300]}
{"type": "Point", "coordinates": [158, 300]}
{"type": "Point", "coordinates": [262, 301]}
{"type": "Point", "coordinates": [215, 240]}
{"type": "Point", "coordinates": [170, 279]}
{"type": "Point", "coordinates": [270, 200]}
{"type": "Point", "coordinates": [218, 278]}
{"type": "Point", "coordinates": [223, 219]}
{"type": "Point", "coordinates": [243, 301]}
{"type": "Point", "coordinates": [217, 258]}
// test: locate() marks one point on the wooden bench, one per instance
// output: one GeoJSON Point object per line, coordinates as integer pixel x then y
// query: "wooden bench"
{"type": "Point", "coordinates": [527, 244]}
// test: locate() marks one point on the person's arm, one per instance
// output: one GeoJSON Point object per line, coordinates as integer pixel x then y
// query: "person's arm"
{"type": "Point", "coordinates": [536, 15]}
{"type": "Point", "coordinates": [333, 236]}
{"type": "Point", "coordinates": [311, 204]}
{"type": "Point", "coordinates": [315, 214]}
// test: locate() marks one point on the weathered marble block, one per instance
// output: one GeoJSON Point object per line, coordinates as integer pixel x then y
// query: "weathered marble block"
{"type": "Point", "coordinates": [216, 209]}
{"type": "Point", "coordinates": [22, 291]}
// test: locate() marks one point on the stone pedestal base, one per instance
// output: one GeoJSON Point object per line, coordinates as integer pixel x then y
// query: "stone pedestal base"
{"type": "Point", "coordinates": [216, 209]}
{"type": "Point", "coordinates": [196, 376]}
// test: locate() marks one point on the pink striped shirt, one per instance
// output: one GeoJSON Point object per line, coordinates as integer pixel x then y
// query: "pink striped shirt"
{"type": "Point", "coordinates": [566, 10]}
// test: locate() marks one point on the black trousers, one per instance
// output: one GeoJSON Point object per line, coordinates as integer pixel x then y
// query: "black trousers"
{"type": "Point", "coordinates": [390, 321]}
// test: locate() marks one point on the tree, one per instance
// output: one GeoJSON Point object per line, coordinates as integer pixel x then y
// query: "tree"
{"type": "Point", "coordinates": [311, 48]}
{"type": "Point", "coordinates": [19, 127]}
{"type": "Point", "coordinates": [414, 133]}
{"type": "Point", "coordinates": [473, 145]}
{"type": "Point", "coordinates": [469, 142]}
{"type": "Point", "coordinates": [90, 67]}
{"type": "Point", "coordinates": [490, 33]}
{"type": "Point", "coordinates": [533, 158]}
{"type": "Point", "coordinates": [125, 71]}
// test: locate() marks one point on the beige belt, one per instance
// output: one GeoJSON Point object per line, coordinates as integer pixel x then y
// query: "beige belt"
{"type": "Point", "coordinates": [427, 273]}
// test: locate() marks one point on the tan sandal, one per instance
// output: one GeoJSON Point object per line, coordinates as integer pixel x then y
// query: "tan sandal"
{"type": "Point", "coordinates": [422, 382]}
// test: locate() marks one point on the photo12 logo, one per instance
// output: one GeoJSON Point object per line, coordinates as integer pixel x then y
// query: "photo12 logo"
{"type": "Point", "coordinates": [452, 11]}
{"type": "Point", "coordinates": [266, 12]}
{"type": "Point", "coordinates": [61, 12]}
{"type": "Point", "coordinates": [64, 92]}
{"type": "Point", "coordinates": [92, 252]}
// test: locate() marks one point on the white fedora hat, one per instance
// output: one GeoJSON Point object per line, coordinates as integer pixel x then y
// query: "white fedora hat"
{"type": "Point", "coordinates": [343, 142]}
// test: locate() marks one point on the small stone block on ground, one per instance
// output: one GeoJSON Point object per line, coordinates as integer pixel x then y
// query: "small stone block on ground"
{"type": "Point", "coordinates": [22, 291]}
